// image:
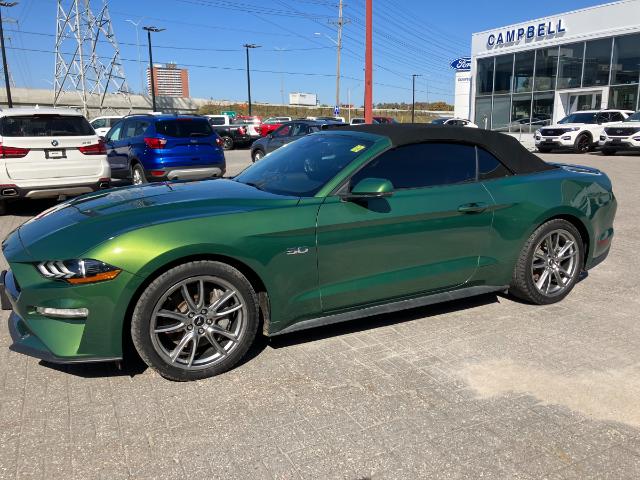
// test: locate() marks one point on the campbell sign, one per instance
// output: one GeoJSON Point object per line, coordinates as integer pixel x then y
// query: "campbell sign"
{"type": "Point", "coordinates": [530, 32]}
{"type": "Point", "coordinates": [462, 64]}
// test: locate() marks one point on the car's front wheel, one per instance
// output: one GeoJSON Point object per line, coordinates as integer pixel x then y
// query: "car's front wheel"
{"type": "Point", "coordinates": [583, 143]}
{"type": "Point", "coordinates": [195, 321]}
{"type": "Point", "coordinates": [138, 177]}
{"type": "Point", "coordinates": [549, 264]}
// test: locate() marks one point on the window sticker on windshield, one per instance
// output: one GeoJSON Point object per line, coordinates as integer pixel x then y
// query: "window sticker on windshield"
{"type": "Point", "coordinates": [358, 148]}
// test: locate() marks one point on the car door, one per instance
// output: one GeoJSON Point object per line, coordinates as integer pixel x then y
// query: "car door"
{"type": "Point", "coordinates": [114, 143]}
{"type": "Point", "coordinates": [427, 236]}
{"type": "Point", "coordinates": [279, 137]}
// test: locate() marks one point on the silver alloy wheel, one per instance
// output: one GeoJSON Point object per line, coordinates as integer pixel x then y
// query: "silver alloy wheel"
{"type": "Point", "coordinates": [555, 262]}
{"type": "Point", "coordinates": [198, 322]}
{"type": "Point", "coordinates": [137, 176]}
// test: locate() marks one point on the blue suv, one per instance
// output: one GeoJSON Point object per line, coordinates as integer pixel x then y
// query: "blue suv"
{"type": "Point", "coordinates": [144, 148]}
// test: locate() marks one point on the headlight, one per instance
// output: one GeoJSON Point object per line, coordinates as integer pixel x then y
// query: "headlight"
{"type": "Point", "coordinates": [574, 129]}
{"type": "Point", "coordinates": [538, 132]}
{"type": "Point", "coordinates": [78, 272]}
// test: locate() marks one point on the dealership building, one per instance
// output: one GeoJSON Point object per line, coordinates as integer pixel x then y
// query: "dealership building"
{"type": "Point", "coordinates": [537, 72]}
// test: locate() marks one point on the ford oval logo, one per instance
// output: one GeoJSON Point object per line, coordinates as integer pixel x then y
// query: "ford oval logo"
{"type": "Point", "coordinates": [54, 143]}
{"type": "Point", "coordinates": [462, 64]}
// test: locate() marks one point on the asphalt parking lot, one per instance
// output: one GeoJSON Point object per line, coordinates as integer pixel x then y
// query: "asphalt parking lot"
{"type": "Point", "coordinates": [482, 388]}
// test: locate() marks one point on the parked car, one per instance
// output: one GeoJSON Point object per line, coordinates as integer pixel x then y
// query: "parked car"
{"type": "Point", "coordinates": [287, 133]}
{"type": "Point", "coordinates": [336, 226]}
{"type": "Point", "coordinates": [253, 128]}
{"type": "Point", "coordinates": [49, 153]}
{"type": "Point", "coordinates": [624, 136]}
{"type": "Point", "coordinates": [102, 125]}
{"type": "Point", "coordinates": [357, 121]}
{"type": "Point", "coordinates": [232, 135]}
{"type": "Point", "coordinates": [454, 122]}
{"type": "Point", "coordinates": [272, 124]}
{"type": "Point", "coordinates": [384, 120]}
{"type": "Point", "coordinates": [146, 148]}
{"type": "Point", "coordinates": [327, 119]}
{"type": "Point", "coordinates": [578, 131]}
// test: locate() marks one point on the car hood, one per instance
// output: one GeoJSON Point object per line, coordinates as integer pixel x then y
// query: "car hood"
{"type": "Point", "coordinates": [564, 125]}
{"type": "Point", "coordinates": [87, 221]}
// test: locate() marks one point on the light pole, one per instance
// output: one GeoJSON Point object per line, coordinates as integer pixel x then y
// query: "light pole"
{"type": "Point", "coordinates": [153, 86]}
{"type": "Point", "coordinates": [413, 101]}
{"type": "Point", "coordinates": [247, 46]}
{"type": "Point", "coordinates": [4, 54]}
{"type": "Point", "coordinates": [338, 44]}
{"type": "Point", "coordinates": [136, 25]}
{"type": "Point", "coordinates": [368, 62]}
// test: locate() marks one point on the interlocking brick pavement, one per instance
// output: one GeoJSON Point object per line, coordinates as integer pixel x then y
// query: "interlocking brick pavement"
{"type": "Point", "coordinates": [439, 392]}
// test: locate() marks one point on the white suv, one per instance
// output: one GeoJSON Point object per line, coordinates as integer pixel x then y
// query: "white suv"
{"type": "Point", "coordinates": [49, 153]}
{"type": "Point", "coordinates": [579, 131]}
{"type": "Point", "coordinates": [103, 124]}
{"type": "Point", "coordinates": [621, 136]}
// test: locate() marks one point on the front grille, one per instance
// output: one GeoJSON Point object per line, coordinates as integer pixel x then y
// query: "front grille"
{"type": "Point", "coordinates": [621, 131]}
{"type": "Point", "coordinates": [553, 132]}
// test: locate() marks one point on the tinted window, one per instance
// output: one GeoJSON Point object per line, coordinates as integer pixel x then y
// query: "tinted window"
{"type": "Point", "coordinates": [616, 117]}
{"type": "Point", "coordinates": [624, 97]}
{"type": "Point", "coordinates": [580, 118]}
{"type": "Point", "coordinates": [570, 65]}
{"type": "Point", "coordinates": [129, 129]}
{"type": "Point", "coordinates": [283, 131]}
{"type": "Point", "coordinates": [184, 127]}
{"type": "Point", "coordinates": [626, 60]}
{"type": "Point", "coordinates": [523, 71]}
{"type": "Point", "coordinates": [485, 76]}
{"type": "Point", "coordinates": [99, 123]}
{"type": "Point", "coordinates": [596, 63]}
{"type": "Point", "coordinates": [504, 73]}
{"type": "Point", "coordinates": [303, 167]}
{"type": "Point", "coordinates": [546, 68]}
{"type": "Point", "coordinates": [141, 127]}
{"type": "Point", "coordinates": [300, 129]}
{"type": "Point", "coordinates": [422, 165]}
{"type": "Point", "coordinates": [217, 121]}
{"type": "Point", "coordinates": [45, 126]}
{"type": "Point", "coordinates": [633, 118]}
{"type": "Point", "coordinates": [489, 166]}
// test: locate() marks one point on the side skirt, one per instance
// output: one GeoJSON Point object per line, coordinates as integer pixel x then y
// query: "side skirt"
{"type": "Point", "coordinates": [392, 307]}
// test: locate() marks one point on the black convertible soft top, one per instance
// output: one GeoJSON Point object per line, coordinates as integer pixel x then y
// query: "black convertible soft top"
{"type": "Point", "coordinates": [505, 147]}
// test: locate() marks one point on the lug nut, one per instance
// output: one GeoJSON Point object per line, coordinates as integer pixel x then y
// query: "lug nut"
{"type": "Point", "coordinates": [209, 321]}
{"type": "Point", "coordinates": [191, 315]}
{"type": "Point", "coordinates": [201, 331]}
{"type": "Point", "coordinates": [203, 311]}
{"type": "Point", "coordinates": [189, 327]}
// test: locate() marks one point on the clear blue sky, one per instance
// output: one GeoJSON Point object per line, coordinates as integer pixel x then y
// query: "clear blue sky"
{"type": "Point", "coordinates": [410, 36]}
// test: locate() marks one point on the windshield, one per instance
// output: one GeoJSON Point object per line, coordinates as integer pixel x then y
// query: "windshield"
{"type": "Point", "coordinates": [580, 118]}
{"type": "Point", "coordinates": [633, 118]}
{"type": "Point", "coordinates": [303, 167]}
{"type": "Point", "coordinates": [45, 126]}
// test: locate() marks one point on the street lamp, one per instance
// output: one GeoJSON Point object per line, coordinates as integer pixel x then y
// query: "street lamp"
{"type": "Point", "coordinates": [413, 102]}
{"type": "Point", "coordinates": [136, 25]}
{"type": "Point", "coordinates": [4, 54]}
{"type": "Point", "coordinates": [247, 46]}
{"type": "Point", "coordinates": [153, 87]}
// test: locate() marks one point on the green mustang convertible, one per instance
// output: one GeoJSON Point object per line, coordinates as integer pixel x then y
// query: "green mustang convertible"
{"type": "Point", "coordinates": [342, 224]}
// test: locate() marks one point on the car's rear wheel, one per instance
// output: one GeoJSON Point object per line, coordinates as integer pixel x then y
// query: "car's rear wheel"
{"type": "Point", "coordinates": [257, 155]}
{"type": "Point", "coordinates": [549, 264]}
{"type": "Point", "coordinates": [227, 142]}
{"type": "Point", "coordinates": [195, 321]}
{"type": "Point", "coordinates": [138, 177]}
{"type": "Point", "coordinates": [544, 149]}
{"type": "Point", "coordinates": [583, 143]}
{"type": "Point", "coordinates": [608, 151]}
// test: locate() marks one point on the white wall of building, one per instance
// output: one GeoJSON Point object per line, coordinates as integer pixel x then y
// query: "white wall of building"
{"type": "Point", "coordinates": [462, 99]}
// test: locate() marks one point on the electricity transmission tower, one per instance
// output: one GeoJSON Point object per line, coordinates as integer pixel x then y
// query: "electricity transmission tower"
{"type": "Point", "coordinates": [87, 56]}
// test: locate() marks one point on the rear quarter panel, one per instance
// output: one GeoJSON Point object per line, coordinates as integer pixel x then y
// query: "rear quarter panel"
{"type": "Point", "coordinates": [524, 202]}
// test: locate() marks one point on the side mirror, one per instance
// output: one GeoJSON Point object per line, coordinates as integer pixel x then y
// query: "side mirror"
{"type": "Point", "coordinates": [370, 188]}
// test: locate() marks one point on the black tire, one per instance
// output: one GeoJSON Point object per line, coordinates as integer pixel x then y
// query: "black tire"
{"type": "Point", "coordinates": [523, 283]}
{"type": "Point", "coordinates": [544, 149]}
{"type": "Point", "coordinates": [583, 143]}
{"type": "Point", "coordinates": [608, 151]}
{"type": "Point", "coordinates": [227, 142]}
{"type": "Point", "coordinates": [138, 176]}
{"type": "Point", "coordinates": [141, 322]}
{"type": "Point", "coordinates": [257, 155]}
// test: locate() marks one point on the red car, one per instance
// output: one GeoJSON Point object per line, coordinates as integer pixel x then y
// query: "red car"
{"type": "Point", "coordinates": [272, 124]}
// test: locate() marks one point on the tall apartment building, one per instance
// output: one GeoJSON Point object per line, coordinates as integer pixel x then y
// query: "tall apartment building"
{"type": "Point", "coordinates": [170, 81]}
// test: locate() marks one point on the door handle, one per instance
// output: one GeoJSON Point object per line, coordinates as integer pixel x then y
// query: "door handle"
{"type": "Point", "coordinates": [475, 207]}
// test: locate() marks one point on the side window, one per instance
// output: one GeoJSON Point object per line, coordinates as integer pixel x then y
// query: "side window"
{"type": "Point", "coordinates": [115, 133]}
{"type": "Point", "coordinates": [423, 165]}
{"type": "Point", "coordinates": [283, 131]}
{"type": "Point", "coordinates": [141, 127]}
{"type": "Point", "coordinates": [489, 166]}
{"type": "Point", "coordinates": [300, 129]}
{"type": "Point", "coordinates": [602, 118]}
{"type": "Point", "coordinates": [129, 129]}
{"type": "Point", "coordinates": [616, 117]}
{"type": "Point", "coordinates": [99, 123]}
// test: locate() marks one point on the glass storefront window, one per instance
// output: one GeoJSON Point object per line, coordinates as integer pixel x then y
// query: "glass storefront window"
{"type": "Point", "coordinates": [597, 60]}
{"type": "Point", "coordinates": [570, 65]}
{"type": "Point", "coordinates": [483, 112]}
{"type": "Point", "coordinates": [484, 77]}
{"type": "Point", "coordinates": [542, 111]}
{"type": "Point", "coordinates": [501, 114]}
{"type": "Point", "coordinates": [523, 72]}
{"type": "Point", "coordinates": [626, 60]}
{"type": "Point", "coordinates": [624, 98]}
{"type": "Point", "coordinates": [521, 113]}
{"type": "Point", "coordinates": [504, 72]}
{"type": "Point", "coordinates": [546, 69]}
